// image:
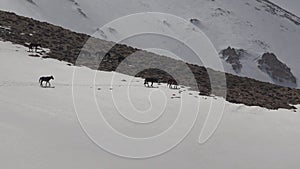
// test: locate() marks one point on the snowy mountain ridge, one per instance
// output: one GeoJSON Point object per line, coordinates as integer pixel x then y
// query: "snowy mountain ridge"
{"type": "Point", "coordinates": [256, 26]}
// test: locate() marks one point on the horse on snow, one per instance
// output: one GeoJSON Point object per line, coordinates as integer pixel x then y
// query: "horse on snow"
{"type": "Point", "coordinates": [45, 79]}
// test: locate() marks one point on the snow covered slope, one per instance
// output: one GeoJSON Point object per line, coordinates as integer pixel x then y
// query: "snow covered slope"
{"type": "Point", "coordinates": [257, 26]}
{"type": "Point", "coordinates": [39, 127]}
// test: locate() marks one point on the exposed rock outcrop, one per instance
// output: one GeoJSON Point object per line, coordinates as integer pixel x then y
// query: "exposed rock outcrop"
{"type": "Point", "coordinates": [279, 72]}
{"type": "Point", "coordinates": [233, 56]}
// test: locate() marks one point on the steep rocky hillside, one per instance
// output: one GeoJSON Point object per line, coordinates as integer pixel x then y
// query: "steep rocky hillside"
{"type": "Point", "coordinates": [66, 45]}
{"type": "Point", "coordinates": [279, 71]}
{"type": "Point", "coordinates": [254, 26]}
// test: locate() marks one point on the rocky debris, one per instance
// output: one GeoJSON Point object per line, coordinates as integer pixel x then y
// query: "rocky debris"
{"type": "Point", "coordinates": [80, 11]}
{"type": "Point", "coordinates": [31, 1]}
{"type": "Point", "coordinates": [274, 9]}
{"type": "Point", "coordinates": [195, 21]}
{"type": "Point", "coordinates": [66, 45]}
{"type": "Point", "coordinates": [220, 12]}
{"type": "Point", "coordinates": [233, 56]}
{"type": "Point", "coordinates": [165, 22]}
{"type": "Point", "coordinates": [279, 72]}
{"type": "Point", "coordinates": [261, 44]}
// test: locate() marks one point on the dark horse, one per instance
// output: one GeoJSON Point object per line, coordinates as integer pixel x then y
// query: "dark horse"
{"type": "Point", "coordinates": [34, 46]}
{"type": "Point", "coordinates": [172, 82]}
{"type": "Point", "coordinates": [45, 79]}
{"type": "Point", "coordinates": [150, 80]}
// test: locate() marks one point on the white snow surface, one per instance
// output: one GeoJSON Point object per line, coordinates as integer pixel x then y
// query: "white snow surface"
{"type": "Point", "coordinates": [237, 23]}
{"type": "Point", "coordinates": [39, 127]}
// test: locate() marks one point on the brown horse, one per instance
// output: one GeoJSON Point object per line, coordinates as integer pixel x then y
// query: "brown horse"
{"type": "Point", "coordinates": [172, 82]}
{"type": "Point", "coordinates": [150, 80]}
{"type": "Point", "coordinates": [45, 79]}
{"type": "Point", "coordinates": [34, 46]}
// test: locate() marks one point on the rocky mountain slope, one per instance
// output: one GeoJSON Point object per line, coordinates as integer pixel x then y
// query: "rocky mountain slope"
{"type": "Point", "coordinates": [255, 26]}
{"type": "Point", "coordinates": [280, 73]}
{"type": "Point", "coordinates": [66, 45]}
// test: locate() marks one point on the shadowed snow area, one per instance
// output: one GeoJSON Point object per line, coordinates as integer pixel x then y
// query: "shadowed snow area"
{"type": "Point", "coordinates": [39, 127]}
